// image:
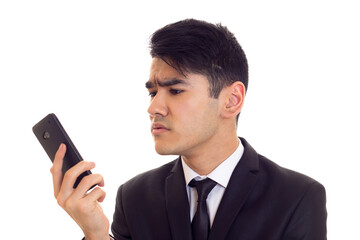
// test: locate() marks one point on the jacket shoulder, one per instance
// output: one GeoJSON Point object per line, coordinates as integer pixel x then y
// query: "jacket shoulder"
{"type": "Point", "coordinates": [149, 180]}
{"type": "Point", "coordinates": [284, 176]}
{"type": "Point", "coordinates": [290, 188]}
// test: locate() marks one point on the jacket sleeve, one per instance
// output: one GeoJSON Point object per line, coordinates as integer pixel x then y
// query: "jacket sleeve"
{"type": "Point", "coordinates": [119, 227]}
{"type": "Point", "coordinates": [308, 221]}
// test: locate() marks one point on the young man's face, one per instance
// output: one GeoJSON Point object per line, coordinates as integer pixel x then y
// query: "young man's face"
{"type": "Point", "coordinates": [184, 118]}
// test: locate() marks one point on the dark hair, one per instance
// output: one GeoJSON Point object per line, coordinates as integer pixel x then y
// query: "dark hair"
{"type": "Point", "coordinates": [199, 47]}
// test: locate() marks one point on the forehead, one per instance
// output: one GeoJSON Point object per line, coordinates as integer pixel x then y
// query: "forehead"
{"type": "Point", "coordinates": [161, 70]}
{"type": "Point", "coordinates": [163, 75]}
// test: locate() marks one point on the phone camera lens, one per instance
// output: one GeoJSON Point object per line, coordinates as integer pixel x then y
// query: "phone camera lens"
{"type": "Point", "coordinates": [46, 135]}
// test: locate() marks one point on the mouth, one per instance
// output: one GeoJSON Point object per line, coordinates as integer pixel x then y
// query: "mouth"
{"type": "Point", "coordinates": [158, 128]}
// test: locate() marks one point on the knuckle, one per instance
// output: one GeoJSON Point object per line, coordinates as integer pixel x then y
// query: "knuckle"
{"type": "Point", "coordinates": [98, 177]}
{"type": "Point", "coordinates": [91, 179]}
{"type": "Point", "coordinates": [77, 169]}
{"type": "Point", "coordinates": [60, 201]}
{"type": "Point", "coordinates": [68, 204]}
{"type": "Point", "coordinates": [103, 193]}
{"type": "Point", "coordinates": [86, 180]}
{"type": "Point", "coordinates": [55, 171]}
{"type": "Point", "coordinates": [99, 191]}
{"type": "Point", "coordinates": [68, 174]}
{"type": "Point", "coordinates": [83, 164]}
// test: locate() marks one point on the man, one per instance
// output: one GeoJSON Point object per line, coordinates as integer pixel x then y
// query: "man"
{"type": "Point", "coordinates": [197, 85]}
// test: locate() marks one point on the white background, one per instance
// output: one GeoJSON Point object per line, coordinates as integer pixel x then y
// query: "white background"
{"type": "Point", "coordinates": [87, 61]}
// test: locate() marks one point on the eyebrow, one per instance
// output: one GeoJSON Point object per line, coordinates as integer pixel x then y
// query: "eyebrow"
{"type": "Point", "coordinates": [165, 83]}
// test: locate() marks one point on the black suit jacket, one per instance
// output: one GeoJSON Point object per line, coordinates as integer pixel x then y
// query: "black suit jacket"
{"type": "Point", "coordinates": [262, 201]}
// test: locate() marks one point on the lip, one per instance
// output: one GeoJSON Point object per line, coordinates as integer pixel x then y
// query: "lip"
{"type": "Point", "coordinates": [158, 128]}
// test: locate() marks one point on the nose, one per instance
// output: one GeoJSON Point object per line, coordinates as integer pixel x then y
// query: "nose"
{"type": "Point", "coordinates": [158, 106]}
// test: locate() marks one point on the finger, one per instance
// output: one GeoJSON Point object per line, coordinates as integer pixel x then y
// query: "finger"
{"type": "Point", "coordinates": [86, 183]}
{"type": "Point", "coordinates": [56, 169]}
{"type": "Point", "coordinates": [72, 174]}
{"type": "Point", "coordinates": [96, 195]}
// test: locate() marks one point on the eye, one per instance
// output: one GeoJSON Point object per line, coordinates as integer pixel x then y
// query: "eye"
{"type": "Point", "coordinates": [152, 94]}
{"type": "Point", "coordinates": [175, 91]}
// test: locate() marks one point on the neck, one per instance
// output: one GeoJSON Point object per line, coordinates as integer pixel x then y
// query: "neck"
{"type": "Point", "coordinates": [211, 154]}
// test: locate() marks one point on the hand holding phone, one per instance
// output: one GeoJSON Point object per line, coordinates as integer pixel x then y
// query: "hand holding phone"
{"type": "Point", "coordinates": [71, 194]}
{"type": "Point", "coordinates": [51, 134]}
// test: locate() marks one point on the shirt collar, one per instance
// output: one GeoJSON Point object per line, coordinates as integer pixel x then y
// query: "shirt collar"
{"type": "Point", "coordinates": [221, 174]}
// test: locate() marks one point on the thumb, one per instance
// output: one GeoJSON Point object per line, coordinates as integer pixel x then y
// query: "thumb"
{"type": "Point", "coordinates": [56, 169]}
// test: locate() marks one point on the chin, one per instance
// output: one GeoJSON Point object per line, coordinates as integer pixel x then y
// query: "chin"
{"type": "Point", "coordinates": [164, 149]}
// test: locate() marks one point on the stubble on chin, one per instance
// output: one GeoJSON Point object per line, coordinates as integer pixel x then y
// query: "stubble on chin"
{"type": "Point", "coordinates": [164, 147]}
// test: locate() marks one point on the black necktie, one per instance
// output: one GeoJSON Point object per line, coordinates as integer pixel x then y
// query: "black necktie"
{"type": "Point", "coordinates": [201, 223]}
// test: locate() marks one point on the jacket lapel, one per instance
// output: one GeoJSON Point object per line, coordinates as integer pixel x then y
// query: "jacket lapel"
{"type": "Point", "coordinates": [177, 204]}
{"type": "Point", "coordinates": [241, 183]}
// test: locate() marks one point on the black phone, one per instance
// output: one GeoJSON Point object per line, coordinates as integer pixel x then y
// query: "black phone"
{"type": "Point", "coordinates": [51, 134]}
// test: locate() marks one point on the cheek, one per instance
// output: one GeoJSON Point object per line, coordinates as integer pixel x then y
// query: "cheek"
{"type": "Point", "coordinates": [187, 112]}
{"type": "Point", "coordinates": [196, 116]}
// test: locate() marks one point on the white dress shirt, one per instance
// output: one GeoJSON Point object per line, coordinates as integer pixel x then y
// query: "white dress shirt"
{"type": "Point", "coordinates": [221, 175]}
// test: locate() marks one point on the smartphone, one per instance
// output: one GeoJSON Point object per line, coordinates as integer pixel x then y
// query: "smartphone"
{"type": "Point", "coordinates": [51, 134]}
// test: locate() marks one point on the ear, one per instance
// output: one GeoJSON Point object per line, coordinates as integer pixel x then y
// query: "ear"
{"type": "Point", "coordinates": [233, 98]}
